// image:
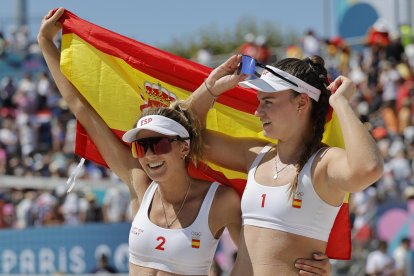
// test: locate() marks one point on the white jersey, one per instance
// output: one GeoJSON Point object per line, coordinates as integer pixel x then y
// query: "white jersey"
{"type": "Point", "coordinates": [187, 251]}
{"type": "Point", "coordinates": [305, 214]}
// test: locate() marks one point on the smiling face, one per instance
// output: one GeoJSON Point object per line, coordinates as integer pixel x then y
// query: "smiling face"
{"type": "Point", "coordinates": [161, 166]}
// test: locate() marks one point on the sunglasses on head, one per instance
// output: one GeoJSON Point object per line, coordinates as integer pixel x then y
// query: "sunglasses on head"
{"type": "Point", "coordinates": [158, 145]}
{"type": "Point", "coordinates": [250, 66]}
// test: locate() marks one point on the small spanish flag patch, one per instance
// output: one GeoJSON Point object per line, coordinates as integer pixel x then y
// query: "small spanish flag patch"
{"type": "Point", "coordinates": [195, 243]}
{"type": "Point", "coordinates": [297, 203]}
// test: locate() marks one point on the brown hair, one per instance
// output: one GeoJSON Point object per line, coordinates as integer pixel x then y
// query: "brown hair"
{"type": "Point", "coordinates": [312, 71]}
{"type": "Point", "coordinates": [179, 111]}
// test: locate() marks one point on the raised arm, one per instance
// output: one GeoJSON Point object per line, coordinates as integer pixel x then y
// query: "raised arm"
{"type": "Point", "coordinates": [221, 79]}
{"type": "Point", "coordinates": [360, 164]}
{"type": "Point", "coordinates": [227, 151]}
{"type": "Point", "coordinates": [115, 153]}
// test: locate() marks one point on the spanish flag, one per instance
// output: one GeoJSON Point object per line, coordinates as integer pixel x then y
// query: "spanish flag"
{"type": "Point", "coordinates": [120, 76]}
{"type": "Point", "coordinates": [195, 243]}
{"type": "Point", "coordinates": [297, 203]}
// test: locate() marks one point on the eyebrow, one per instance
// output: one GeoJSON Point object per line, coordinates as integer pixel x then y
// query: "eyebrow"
{"type": "Point", "coordinates": [266, 98]}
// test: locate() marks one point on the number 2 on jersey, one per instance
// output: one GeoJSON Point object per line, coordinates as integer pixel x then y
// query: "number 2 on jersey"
{"type": "Point", "coordinates": [160, 246]}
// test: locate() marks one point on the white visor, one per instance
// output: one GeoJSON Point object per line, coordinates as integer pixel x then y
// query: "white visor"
{"type": "Point", "coordinates": [158, 124]}
{"type": "Point", "coordinates": [268, 82]}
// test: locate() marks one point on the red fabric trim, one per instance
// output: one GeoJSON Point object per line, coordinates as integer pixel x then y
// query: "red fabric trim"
{"type": "Point", "coordinates": [339, 242]}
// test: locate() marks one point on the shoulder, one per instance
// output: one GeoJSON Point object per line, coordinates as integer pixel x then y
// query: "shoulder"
{"type": "Point", "coordinates": [226, 206]}
{"type": "Point", "coordinates": [327, 154]}
{"type": "Point", "coordinates": [139, 182]}
{"type": "Point", "coordinates": [226, 199]}
{"type": "Point", "coordinates": [256, 147]}
{"type": "Point", "coordinates": [226, 193]}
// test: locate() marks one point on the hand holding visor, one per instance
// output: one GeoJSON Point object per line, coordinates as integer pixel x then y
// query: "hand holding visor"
{"type": "Point", "coordinates": [266, 78]}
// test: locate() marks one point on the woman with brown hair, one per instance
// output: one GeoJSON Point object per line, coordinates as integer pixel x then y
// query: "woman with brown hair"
{"type": "Point", "coordinates": [295, 187]}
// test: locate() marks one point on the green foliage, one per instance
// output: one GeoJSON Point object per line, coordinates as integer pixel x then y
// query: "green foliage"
{"type": "Point", "coordinates": [222, 41]}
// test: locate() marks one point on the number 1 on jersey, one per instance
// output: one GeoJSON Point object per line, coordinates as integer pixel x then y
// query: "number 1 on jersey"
{"type": "Point", "coordinates": [263, 199]}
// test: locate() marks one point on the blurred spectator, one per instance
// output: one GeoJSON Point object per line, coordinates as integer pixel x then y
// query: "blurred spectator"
{"type": "Point", "coordinates": [394, 50]}
{"type": "Point", "coordinates": [379, 263]}
{"type": "Point", "coordinates": [389, 117]}
{"type": "Point", "coordinates": [94, 211]}
{"type": "Point", "coordinates": [8, 135]}
{"type": "Point", "coordinates": [3, 160]}
{"type": "Point", "coordinates": [24, 210]}
{"type": "Point", "coordinates": [72, 207]}
{"type": "Point", "coordinates": [26, 134]}
{"type": "Point", "coordinates": [363, 205]}
{"type": "Point", "coordinates": [115, 205]}
{"type": "Point", "coordinates": [248, 47]}
{"type": "Point", "coordinates": [204, 56]}
{"type": "Point", "coordinates": [43, 89]}
{"type": "Point", "coordinates": [3, 45]}
{"type": "Point", "coordinates": [388, 80]}
{"type": "Point", "coordinates": [399, 165]}
{"type": "Point", "coordinates": [8, 214]}
{"type": "Point", "coordinates": [339, 55]}
{"type": "Point", "coordinates": [409, 52]}
{"type": "Point", "coordinates": [402, 256]}
{"type": "Point", "coordinates": [310, 44]}
{"type": "Point", "coordinates": [22, 38]}
{"type": "Point", "coordinates": [103, 267]}
{"type": "Point", "coordinates": [405, 89]}
{"type": "Point", "coordinates": [294, 51]}
{"type": "Point", "coordinates": [37, 138]}
{"type": "Point", "coordinates": [7, 90]}
{"type": "Point", "coordinates": [262, 49]}
{"type": "Point", "coordinates": [378, 34]}
{"type": "Point", "coordinates": [408, 193]}
{"type": "Point", "coordinates": [26, 95]}
{"type": "Point", "coordinates": [44, 207]}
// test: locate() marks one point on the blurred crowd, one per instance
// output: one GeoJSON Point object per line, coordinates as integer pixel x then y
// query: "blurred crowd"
{"type": "Point", "coordinates": [37, 132]}
{"type": "Point", "coordinates": [37, 137]}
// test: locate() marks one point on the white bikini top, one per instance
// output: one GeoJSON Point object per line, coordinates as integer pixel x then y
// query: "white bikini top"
{"type": "Point", "coordinates": [187, 251]}
{"type": "Point", "coordinates": [270, 206]}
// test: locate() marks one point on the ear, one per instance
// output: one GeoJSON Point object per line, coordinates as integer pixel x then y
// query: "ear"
{"type": "Point", "coordinates": [303, 102]}
{"type": "Point", "coordinates": [185, 150]}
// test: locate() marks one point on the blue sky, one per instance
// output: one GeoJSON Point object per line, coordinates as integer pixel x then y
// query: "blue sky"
{"type": "Point", "coordinates": [158, 22]}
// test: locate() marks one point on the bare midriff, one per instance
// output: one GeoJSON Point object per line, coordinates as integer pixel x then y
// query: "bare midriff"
{"type": "Point", "coordinates": [264, 251]}
{"type": "Point", "coordinates": [136, 270]}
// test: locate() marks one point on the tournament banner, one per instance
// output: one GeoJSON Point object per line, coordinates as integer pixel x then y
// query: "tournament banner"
{"type": "Point", "coordinates": [120, 77]}
{"type": "Point", "coordinates": [63, 249]}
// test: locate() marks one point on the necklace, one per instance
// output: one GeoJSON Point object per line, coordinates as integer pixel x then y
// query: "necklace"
{"type": "Point", "coordinates": [179, 211]}
{"type": "Point", "coordinates": [276, 174]}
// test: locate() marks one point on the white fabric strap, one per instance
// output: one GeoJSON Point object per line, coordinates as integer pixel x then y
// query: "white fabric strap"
{"type": "Point", "coordinates": [74, 174]}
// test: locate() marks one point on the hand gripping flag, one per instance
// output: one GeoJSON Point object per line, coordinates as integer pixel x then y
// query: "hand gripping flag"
{"type": "Point", "coordinates": [120, 77]}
